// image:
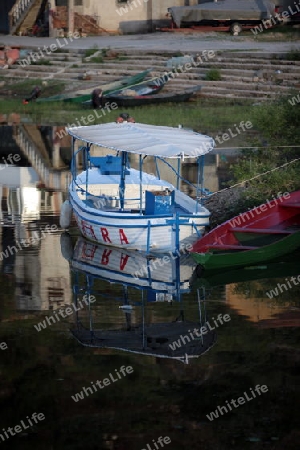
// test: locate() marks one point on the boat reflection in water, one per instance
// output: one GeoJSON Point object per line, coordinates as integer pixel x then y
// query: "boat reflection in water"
{"type": "Point", "coordinates": [287, 265]}
{"type": "Point", "coordinates": [148, 290]}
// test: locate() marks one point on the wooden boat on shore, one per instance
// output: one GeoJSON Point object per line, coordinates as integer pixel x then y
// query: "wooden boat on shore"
{"type": "Point", "coordinates": [117, 205]}
{"type": "Point", "coordinates": [139, 100]}
{"type": "Point", "coordinates": [83, 95]}
{"type": "Point", "coordinates": [144, 88]}
{"type": "Point", "coordinates": [148, 87]}
{"type": "Point", "coordinates": [258, 235]}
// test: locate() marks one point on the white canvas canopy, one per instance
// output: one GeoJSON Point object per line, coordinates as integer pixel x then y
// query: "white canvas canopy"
{"type": "Point", "coordinates": [166, 142]}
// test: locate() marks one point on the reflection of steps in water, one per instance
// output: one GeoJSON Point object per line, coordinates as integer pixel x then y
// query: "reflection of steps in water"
{"type": "Point", "coordinates": [52, 179]}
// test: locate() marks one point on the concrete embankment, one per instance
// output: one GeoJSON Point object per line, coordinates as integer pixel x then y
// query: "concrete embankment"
{"type": "Point", "coordinates": [241, 75]}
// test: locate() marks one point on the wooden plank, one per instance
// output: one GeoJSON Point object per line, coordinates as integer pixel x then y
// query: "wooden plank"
{"type": "Point", "coordinates": [259, 230]}
{"type": "Point", "coordinates": [290, 205]}
{"type": "Point", "coordinates": [231, 247]}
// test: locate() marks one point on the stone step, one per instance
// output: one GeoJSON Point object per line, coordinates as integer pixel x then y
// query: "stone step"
{"type": "Point", "coordinates": [235, 63]}
{"type": "Point", "coordinates": [242, 75]}
{"type": "Point", "coordinates": [245, 86]}
{"type": "Point", "coordinates": [235, 92]}
{"type": "Point", "coordinates": [233, 96]}
{"type": "Point", "coordinates": [193, 73]}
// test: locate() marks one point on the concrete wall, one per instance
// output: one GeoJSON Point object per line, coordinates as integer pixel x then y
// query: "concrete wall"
{"type": "Point", "coordinates": [114, 16]}
{"type": "Point", "coordinates": [137, 16]}
{"type": "Point", "coordinates": [132, 16]}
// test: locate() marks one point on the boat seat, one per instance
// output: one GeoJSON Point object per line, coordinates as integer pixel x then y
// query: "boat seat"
{"type": "Point", "coordinates": [231, 247]}
{"type": "Point", "coordinates": [290, 205]}
{"type": "Point", "coordinates": [260, 230]}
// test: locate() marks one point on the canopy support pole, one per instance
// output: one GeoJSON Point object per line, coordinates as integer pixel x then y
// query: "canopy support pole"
{"type": "Point", "coordinates": [200, 161]}
{"type": "Point", "coordinates": [141, 185]}
{"type": "Point", "coordinates": [156, 168]}
{"type": "Point", "coordinates": [86, 154]}
{"type": "Point", "coordinates": [73, 161]}
{"type": "Point", "coordinates": [89, 284]}
{"type": "Point", "coordinates": [122, 180]}
{"type": "Point", "coordinates": [178, 170]}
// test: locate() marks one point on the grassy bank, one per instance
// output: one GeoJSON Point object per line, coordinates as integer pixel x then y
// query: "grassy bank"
{"type": "Point", "coordinates": [204, 115]}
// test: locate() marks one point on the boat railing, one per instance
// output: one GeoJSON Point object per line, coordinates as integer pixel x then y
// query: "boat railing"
{"type": "Point", "coordinates": [112, 201]}
{"type": "Point", "coordinates": [199, 190]}
{"type": "Point", "coordinates": [105, 201]}
{"type": "Point", "coordinates": [185, 202]}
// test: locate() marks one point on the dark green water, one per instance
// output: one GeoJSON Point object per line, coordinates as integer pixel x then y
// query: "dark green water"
{"type": "Point", "coordinates": [41, 370]}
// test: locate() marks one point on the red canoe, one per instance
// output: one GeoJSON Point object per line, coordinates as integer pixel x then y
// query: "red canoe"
{"type": "Point", "coordinates": [261, 234]}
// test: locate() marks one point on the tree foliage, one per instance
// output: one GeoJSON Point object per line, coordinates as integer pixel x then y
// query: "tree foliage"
{"type": "Point", "coordinates": [277, 145]}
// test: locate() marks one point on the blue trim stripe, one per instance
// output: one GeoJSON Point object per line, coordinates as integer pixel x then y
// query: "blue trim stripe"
{"type": "Point", "coordinates": [138, 216]}
{"type": "Point", "coordinates": [119, 272]}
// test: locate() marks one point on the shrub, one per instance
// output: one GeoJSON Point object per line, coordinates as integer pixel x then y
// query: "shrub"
{"type": "Point", "coordinates": [213, 75]}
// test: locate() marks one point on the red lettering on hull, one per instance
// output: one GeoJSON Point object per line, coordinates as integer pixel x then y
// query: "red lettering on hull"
{"type": "Point", "coordinates": [105, 257]}
{"type": "Point", "coordinates": [123, 237]}
{"type": "Point", "coordinates": [123, 261]}
{"type": "Point", "coordinates": [105, 235]}
{"type": "Point", "coordinates": [88, 251]}
{"type": "Point", "coordinates": [88, 230]}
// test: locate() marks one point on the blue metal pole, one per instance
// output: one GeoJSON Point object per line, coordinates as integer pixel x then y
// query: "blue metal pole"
{"type": "Point", "coordinates": [198, 182]}
{"type": "Point", "coordinates": [122, 180]}
{"type": "Point", "coordinates": [141, 186]}
{"type": "Point", "coordinates": [202, 160]}
{"type": "Point", "coordinates": [178, 174]}
{"type": "Point", "coordinates": [86, 159]}
{"type": "Point", "coordinates": [156, 167]}
{"type": "Point", "coordinates": [148, 237]}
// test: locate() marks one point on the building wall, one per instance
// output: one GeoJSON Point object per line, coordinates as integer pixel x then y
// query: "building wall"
{"type": "Point", "coordinates": [129, 17]}
{"type": "Point", "coordinates": [133, 16]}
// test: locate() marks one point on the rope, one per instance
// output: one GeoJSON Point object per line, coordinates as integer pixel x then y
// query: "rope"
{"type": "Point", "coordinates": [256, 176]}
{"type": "Point", "coordinates": [264, 147]}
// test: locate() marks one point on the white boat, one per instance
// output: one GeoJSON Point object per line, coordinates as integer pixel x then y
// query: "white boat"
{"type": "Point", "coordinates": [116, 205]}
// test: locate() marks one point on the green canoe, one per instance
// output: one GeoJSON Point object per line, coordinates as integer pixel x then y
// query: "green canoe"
{"type": "Point", "coordinates": [218, 259]}
{"type": "Point", "coordinates": [287, 267]}
{"type": "Point", "coordinates": [85, 94]}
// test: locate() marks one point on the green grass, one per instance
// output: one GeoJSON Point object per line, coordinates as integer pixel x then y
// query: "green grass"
{"type": "Point", "coordinates": [204, 115]}
{"type": "Point", "coordinates": [90, 51]}
{"type": "Point", "coordinates": [213, 75]}
{"type": "Point", "coordinates": [210, 116]}
{"type": "Point", "coordinates": [41, 62]}
{"type": "Point", "coordinates": [22, 88]}
{"type": "Point", "coordinates": [96, 60]}
{"type": "Point", "coordinates": [104, 51]}
{"type": "Point", "coordinates": [293, 55]}
{"type": "Point", "coordinates": [59, 50]}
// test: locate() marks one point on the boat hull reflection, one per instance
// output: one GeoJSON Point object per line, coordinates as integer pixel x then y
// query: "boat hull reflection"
{"type": "Point", "coordinates": [145, 330]}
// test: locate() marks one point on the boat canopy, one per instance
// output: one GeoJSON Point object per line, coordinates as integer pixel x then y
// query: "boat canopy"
{"type": "Point", "coordinates": [143, 139]}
